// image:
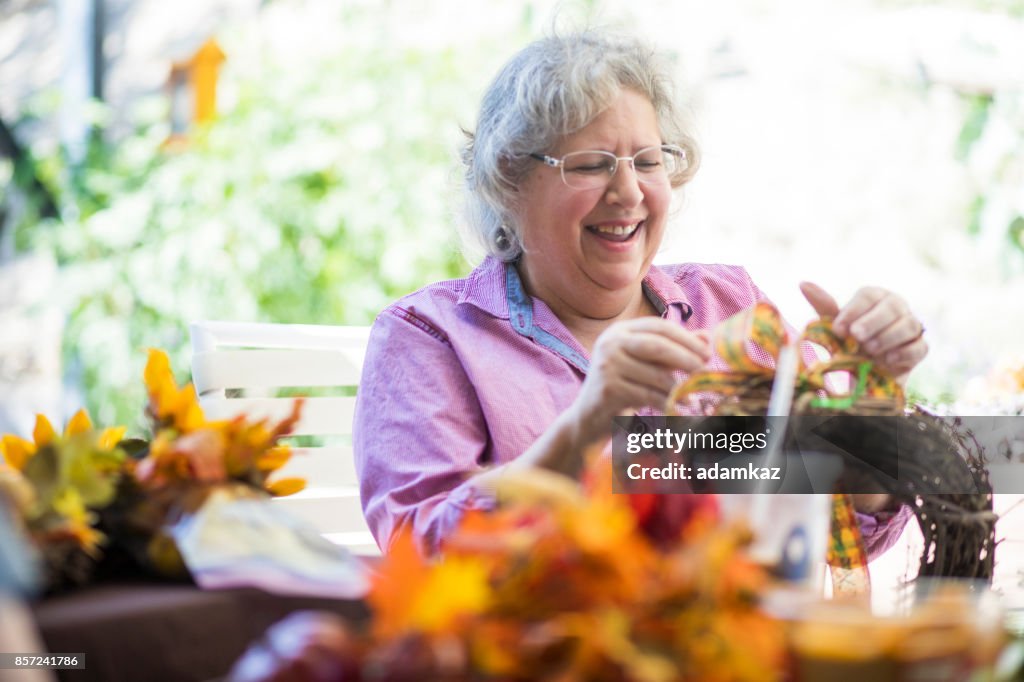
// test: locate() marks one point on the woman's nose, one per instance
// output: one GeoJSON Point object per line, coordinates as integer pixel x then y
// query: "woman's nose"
{"type": "Point", "coordinates": [624, 187]}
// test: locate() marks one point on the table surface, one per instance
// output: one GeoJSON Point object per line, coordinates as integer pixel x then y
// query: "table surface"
{"type": "Point", "coordinates": [151, 631]}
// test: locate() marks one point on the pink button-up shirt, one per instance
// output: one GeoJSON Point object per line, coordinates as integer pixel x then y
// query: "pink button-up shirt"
{"type": "Point", "coordinates": [468, 373]}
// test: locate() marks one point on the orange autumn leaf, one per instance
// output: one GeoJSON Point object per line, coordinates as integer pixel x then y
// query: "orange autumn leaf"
{"type": "Point", "coordinates": [493, 647]}
{"type": "Point", "coordinates": [286, 486]}
{"type": "Point", "coordinates": [398, 578]}
{"type": "Point", "coordinates": [189, 447]}
{"type": "Point", "coordinates": [409, 594]}
{"type": "Point", "coordinates": [563, 585]}
{"type": "Point", "coordinates": [274, 458]}
{"type": "Point", "coordinates": [204, 452]}
{"type": "Point", "coordinates": [602, 526]}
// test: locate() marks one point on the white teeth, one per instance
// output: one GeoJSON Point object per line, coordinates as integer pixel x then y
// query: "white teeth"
{"type": "Point", "coordinates": [618, 230]}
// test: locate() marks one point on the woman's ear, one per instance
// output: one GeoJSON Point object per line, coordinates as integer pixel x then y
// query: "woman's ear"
{"type": "Point", "coordinates": [506, 166]}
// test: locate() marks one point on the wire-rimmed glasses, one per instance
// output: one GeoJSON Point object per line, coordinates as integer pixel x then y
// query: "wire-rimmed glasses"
{"type": "Point", "coordinates": [657, 165]}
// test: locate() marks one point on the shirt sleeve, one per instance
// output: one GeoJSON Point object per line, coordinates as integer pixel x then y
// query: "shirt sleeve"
{"type": "Point", "coordinates": [419, 432]}
{"type": "Point", "coordinates": [881, 531]}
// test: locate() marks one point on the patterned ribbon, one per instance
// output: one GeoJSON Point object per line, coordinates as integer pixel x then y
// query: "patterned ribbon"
{"type": "Point", "coordinates": [847, 558]}
{"type": "Point", "coordinates": [761, 327]}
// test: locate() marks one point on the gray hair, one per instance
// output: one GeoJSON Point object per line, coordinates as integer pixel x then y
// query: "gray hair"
{"type": "Point", "coordinates": [552, 88]}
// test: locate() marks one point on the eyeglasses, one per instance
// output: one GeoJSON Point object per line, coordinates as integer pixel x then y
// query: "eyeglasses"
{"type": "Point", "coordinates": [658, 165]}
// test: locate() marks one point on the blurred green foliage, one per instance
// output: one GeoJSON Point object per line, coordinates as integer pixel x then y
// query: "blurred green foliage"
{"type": "Point", "coordinates": [990, 143]}
{"type": "Point", "coordinates": [321, 194]}
{"type": "Point", "coordinates": [991, 146]}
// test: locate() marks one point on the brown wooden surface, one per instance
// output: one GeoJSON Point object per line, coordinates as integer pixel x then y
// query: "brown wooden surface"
{"type": "Point", "coordinates": [172, 632]}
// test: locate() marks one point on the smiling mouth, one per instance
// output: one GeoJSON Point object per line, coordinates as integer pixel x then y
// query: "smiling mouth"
{"type": "Point", "coordinates": [616, 233]}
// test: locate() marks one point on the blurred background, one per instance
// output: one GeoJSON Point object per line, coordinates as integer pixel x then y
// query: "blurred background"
{"type": "Point", "coordinates": [295, 161]}
{"type": "Point", "coordinates": [290, 161]}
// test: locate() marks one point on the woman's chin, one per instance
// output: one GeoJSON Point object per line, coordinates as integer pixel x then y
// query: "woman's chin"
{"type": "Point", "coordinates": [619, 277]}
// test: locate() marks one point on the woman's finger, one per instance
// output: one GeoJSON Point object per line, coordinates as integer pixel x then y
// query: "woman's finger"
{"type": "Point", "coordinates": [696, 342]}
{"type": "Point", "coordinates": [886, 312]}
{"type": "Point", "coordinates": [900, 333]}
{"type": "Point", "coordinates": [665, 352]}
{"type": "Point", "coordinates": [906, 357]}
{"type": "Point", "coordinates": [616, 372]}
{"type": "Point", "coordinates": [823, 302]}
{"type": "Point", "coordinates": [862, 302]}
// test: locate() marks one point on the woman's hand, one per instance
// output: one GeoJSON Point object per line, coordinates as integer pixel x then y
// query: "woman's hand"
{"type": "Point", "coordinates": [632, 366]}
{"type": "Point", "coordinates": [880, 321]}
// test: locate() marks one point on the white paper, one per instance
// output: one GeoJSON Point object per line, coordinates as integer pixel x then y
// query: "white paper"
{"type": "Point", "coordinates": [233, 542]}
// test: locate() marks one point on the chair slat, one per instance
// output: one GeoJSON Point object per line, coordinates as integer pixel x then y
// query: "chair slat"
{"type": "Point", "coordinates": [210, 335]}
{"type": "Point", "coordinates": [361, 543]}
{"type": "Point", "coordinates": [320, 416]}
{"type": "Point", "coordinates": [221, 369]}
{"type": "Point", "coordinates": [325, 466]}
{"type": "Point", "coordinates": [256, 358]}
{"type": "Point", "coordinates": [330, 510]}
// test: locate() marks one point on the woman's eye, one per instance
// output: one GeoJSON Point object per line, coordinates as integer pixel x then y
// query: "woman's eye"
{"type": "Point", "coordinates": [591, 169]}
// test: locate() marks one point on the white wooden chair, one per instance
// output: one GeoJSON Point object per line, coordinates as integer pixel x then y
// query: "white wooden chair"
{"type": "Point", "coordinates": [240, 367]}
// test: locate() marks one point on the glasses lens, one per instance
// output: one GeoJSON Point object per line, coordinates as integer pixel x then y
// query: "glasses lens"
{"type": "Point", "coordinates": [659, 165]}
{"type": "Point", "coordinates": [587, 170]}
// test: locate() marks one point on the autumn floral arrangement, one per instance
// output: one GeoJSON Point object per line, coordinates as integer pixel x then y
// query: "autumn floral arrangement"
{"type": "Point", "coordinates": [87, 493]}
{"type": "Point", "coordinates": [563, 582]}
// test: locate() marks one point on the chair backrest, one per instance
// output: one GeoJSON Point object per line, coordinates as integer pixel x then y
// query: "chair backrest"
{"type": "Point", "coordinates": [241, 367]}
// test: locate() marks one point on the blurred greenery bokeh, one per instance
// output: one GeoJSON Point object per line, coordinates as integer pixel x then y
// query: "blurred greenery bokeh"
{"type": "Point", "coordinates": [329, 185]}
{"type": "Point", "coordinates": [318, 196]}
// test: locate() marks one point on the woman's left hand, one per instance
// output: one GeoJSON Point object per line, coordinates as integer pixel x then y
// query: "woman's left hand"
{"type": "Point", "coordinates": [880, 321]}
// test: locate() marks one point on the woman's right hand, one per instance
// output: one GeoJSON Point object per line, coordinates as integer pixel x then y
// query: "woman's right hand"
{"type": "Point", "coordinates": [632, 366]}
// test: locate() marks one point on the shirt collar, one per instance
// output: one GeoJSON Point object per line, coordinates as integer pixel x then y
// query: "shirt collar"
{"type": "Point", "coordinates": [663, 291]}
{"type": "Point", "coordinates": [487, 289]}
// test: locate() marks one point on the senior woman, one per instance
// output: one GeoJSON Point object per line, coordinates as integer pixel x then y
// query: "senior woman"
{"type": "Point", "coordinates": [570, 175]}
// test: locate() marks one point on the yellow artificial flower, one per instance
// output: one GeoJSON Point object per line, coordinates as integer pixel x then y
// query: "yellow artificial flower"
{"type": "Point", "coordinates": [81, 423]}
{"type": "Point", "coordinates": [17, 451]}
{"type": "Point", "coordinates": [77, 520]}
{"type": "Point", "coordinates": [43, 433]}
{"type": "Point", "coordinates": [178, 407]}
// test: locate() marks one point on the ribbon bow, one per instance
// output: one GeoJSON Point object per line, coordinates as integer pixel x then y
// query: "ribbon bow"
{"type": "Point", "coordinates": [749, 343]}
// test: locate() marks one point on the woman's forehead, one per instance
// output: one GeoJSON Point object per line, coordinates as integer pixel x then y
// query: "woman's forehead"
{"type": "Point", "coordinates": [630, 118]}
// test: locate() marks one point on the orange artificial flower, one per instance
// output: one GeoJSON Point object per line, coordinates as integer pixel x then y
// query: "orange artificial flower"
{"type": "Point", "coordinates": [409, 594]}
